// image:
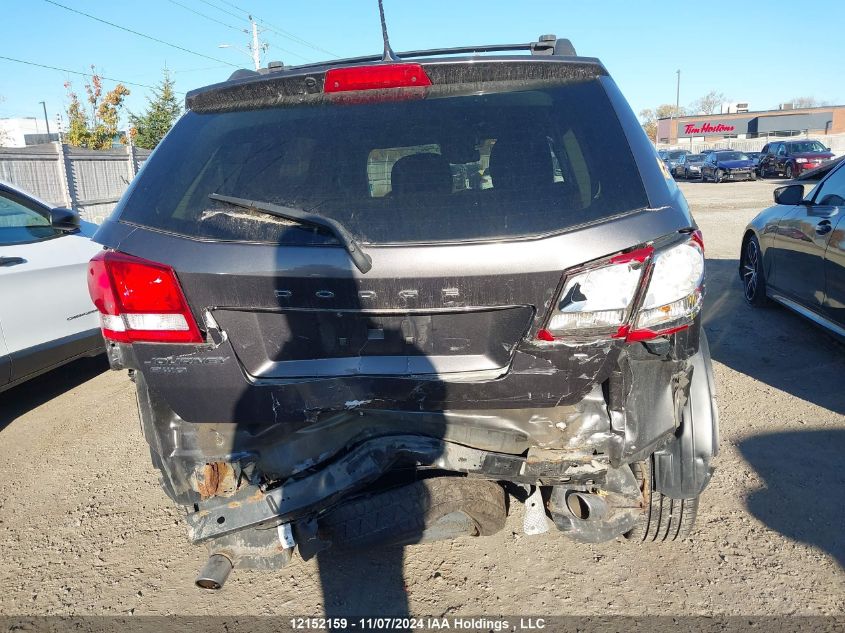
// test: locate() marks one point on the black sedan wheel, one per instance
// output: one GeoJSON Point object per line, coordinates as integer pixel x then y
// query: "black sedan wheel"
{"type": "Point", "coordinates": [717, 175]}
{"type": "Point", "coordinates": [790, 172]}
{"type": "Point", "coordinates": [751, 271]}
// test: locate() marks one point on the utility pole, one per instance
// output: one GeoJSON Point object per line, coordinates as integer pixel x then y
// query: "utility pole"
{"type": "Point", "coordinates": [46, 121]}
{"type": "Point", "coordinates": [255, 47]}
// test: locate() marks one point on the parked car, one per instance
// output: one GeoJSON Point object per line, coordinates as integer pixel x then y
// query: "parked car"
{"type": "Point", "coordinates": [328, 333]}
{"type": "Point", "coordinates": [755, 158]}
{"type": "Point", "coordinates": [689, 166]}
{"type": "Point", "coordinates": [46, 316]}
{"type": "Point", "coordinates": [812, 176]}
{"type": "Point", "coordinates": [791, 158]}
{"type": "Point", "coordinates": [727, 165]}
{"type": "Point", "coordinates": [673, 157]}
{"type": "Point", "coordinates": [794, 252]}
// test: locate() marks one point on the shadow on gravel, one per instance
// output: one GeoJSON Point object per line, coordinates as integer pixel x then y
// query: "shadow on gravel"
{"type": "Point", "coordinates": [21, 399]}
{"type": "Point", "coordinates": [771, 345]}
{"type": "Point", "coordinates": [804, 493]}
{"type": "Point", "coordinates": [364, 583]}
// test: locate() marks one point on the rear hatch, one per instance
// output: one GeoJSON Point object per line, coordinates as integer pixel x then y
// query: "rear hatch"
{"type": "Point", "coordinates": [455, 190]}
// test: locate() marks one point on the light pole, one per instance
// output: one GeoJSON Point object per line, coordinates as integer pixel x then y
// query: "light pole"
{"type": "Point", "coordinates": [239, 49]}
{"type": "Point", "coordinates": [677, 107]}
{"type": "Point", "coordinates": [678, 91]}
{"type": "Point", "coordinates": [46, 121]}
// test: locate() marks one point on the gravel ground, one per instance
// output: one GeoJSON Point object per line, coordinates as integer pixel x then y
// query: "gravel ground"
{"type": "Point", "coordinates": [86, 530]}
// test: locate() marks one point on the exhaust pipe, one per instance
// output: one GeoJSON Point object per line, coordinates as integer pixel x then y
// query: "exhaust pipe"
{"type": "Point", "coordinates": [586, 507]}
{"type": "Point", "coordinates": [214, 573]}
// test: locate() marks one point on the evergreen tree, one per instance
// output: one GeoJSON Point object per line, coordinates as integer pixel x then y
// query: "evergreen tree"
{"type": "Point", "coordinates": [163, 109]}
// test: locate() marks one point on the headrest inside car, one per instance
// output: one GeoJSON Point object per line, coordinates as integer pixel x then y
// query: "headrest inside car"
{"type": "Point", "coordinates": [421, 173]}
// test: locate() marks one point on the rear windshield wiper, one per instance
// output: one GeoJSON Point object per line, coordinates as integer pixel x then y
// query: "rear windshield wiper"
{"type": "Point", "coordinates": [362, 261]}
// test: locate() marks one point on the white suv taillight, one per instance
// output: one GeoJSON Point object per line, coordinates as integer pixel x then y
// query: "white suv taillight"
{"type": "Point", "coordinates": [608, 301]}
{"type": "Point", "coordinates": [139, 301]}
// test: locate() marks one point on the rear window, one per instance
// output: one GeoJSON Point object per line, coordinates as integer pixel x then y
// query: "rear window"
{"type": "Point", "coordinates": [455, 168]}
{"type": "Point", "coordinates": [807, 146]}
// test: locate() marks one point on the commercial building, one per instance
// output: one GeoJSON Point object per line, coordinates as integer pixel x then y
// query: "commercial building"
{"type": "Point", "coordinates": [24, 131]}
{"type": "Point", "coordinates": [759, 124]}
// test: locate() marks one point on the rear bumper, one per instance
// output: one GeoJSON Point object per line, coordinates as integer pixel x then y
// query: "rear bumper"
{"type": "Point", "coordinates": [252, 507]}
{"type": "Point", "coordinates": [250, 475]}
{"type": "Point", "coordinates": [800, 168]}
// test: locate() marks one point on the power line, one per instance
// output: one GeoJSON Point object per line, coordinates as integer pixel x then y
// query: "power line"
{"type": "Point", "coordinates": [234, 15]}
{"type": "Point", "coordinates": [234, 6]}
{"type": "Point", "coordinates": [76, 72]}
{"type": "Point", "coordinates": [294, 38]}
{"type": "Point", "coordinates": [284, 50]}
{"type": "Point", "coordinates": [149, 37]}
{"type": "Point", "coordinates": [207, 17]}
{"type": "Point", "coordinates": [270, 27]}
{"type": "Point", "coordinates": [196, 70]}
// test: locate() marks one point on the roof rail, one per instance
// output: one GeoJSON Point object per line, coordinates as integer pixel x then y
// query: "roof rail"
{"type": "Point", "coordinates": [545, 45]}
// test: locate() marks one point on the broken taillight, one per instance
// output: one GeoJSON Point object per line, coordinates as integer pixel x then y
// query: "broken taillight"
{"type": "Point", "coordinates": [609, 301]}
{"type": "Point", "coordinates": [139, 301]}
{"type": "Point", "coordinates": [375, 77]}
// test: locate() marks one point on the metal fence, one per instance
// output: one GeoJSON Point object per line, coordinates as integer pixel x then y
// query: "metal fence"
{"type": "Point", "coordinates": [836, 143]}
{"type": "Point", "coordinates": [91, 181]}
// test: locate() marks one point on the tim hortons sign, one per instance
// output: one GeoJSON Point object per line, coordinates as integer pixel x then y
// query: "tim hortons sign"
{"type": "Point", "coordinates": [707, 128]}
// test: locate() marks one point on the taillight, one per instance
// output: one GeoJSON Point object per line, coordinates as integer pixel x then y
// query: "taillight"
{"type": "Point", "coordinates": [139, 301]}
{"type": "Point", "coordinates": [375, 77]}
{"type": "Point", "coordinates": [675, 292]}
{"type": "Point", "coordinates": [610, 300]}
{"type": "Point", "coordinates": [598, 299]}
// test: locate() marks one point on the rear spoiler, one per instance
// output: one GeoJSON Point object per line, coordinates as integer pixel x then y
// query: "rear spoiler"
{"type": "Point", "coordinates": [298, 86]}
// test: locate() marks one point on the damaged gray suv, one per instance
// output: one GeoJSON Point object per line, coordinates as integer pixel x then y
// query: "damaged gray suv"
{"type": "Point", "coordinates": [378, 301]}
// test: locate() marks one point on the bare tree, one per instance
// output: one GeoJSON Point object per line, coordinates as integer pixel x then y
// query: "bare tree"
{"type": "Point", "coordinates": [807, 102]}
{"type": "Point", "coordinates": [709, 103]}
{"type": "Point", "coordinates": [650, 116]}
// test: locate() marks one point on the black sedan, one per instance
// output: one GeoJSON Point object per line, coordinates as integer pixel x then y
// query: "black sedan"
{"type": "Point", "coordinates": [727, 165]}
{"type": "Point", "coordinates": [794, 252]}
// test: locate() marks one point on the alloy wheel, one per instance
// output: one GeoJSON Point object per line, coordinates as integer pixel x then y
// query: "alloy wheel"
{"type": "Point", "coordinates": [749, 269]}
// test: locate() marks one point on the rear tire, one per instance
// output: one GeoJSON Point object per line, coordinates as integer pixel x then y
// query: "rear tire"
{"type": "Point", "coordinates": [790, 172]}
{"type": "Point", "coordinates": [752, 274]}
{"type": "Point", "coordinates": [717, 176]}
{"type": "Point", "coordinates": [665, 519]}
{"type": "Point", "coordinates": [428, 510]}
